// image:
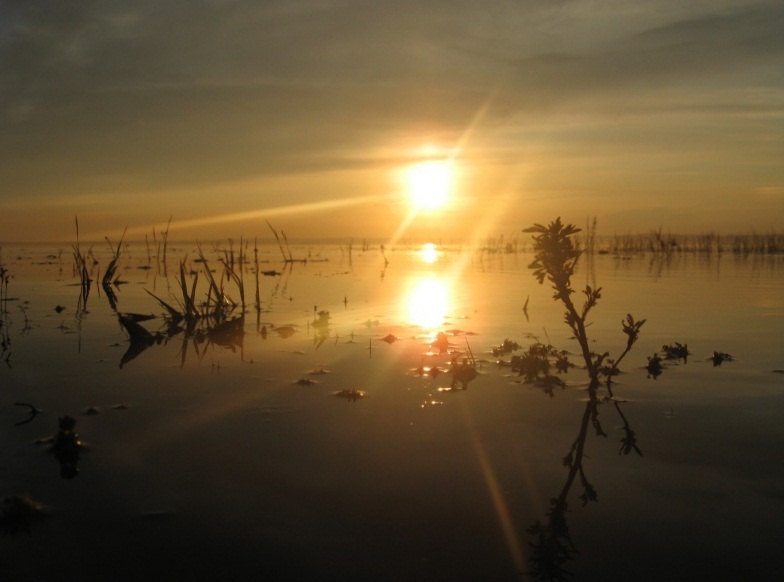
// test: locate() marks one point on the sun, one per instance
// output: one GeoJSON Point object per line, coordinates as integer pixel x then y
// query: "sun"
{"type": "Point", "coordinates": [429, 184]}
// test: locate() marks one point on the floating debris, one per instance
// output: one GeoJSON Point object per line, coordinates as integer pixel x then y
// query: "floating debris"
{"type": "Point", "coordinates": [59, 308]}
{"type": "Point", "coordinates": [676, 351]}
{"type": "Point", "coordinates": [91, 411]}
{"type": "Point", "coordinates": [441, 342]}
{"type": "Point", "coordinates": [422, 370]}
{"type": "Point", "coordinates": [66, 446]}
{"type": "Point", "coordinates": [719, 357]}
{"type": "Point", "coordinates": [350, 394]}
{"type": "Point", "coordinates": [462, 373]}
{"type": "Point", "coordinates": [507, 347]}
{"type": "Point", "coordinates": [654, 366]}
{"type": "Point", "coordinates": [389, 338]}
{"type": "Point", "coordinates": [305, 382]}
{"type": "Point", "coordinates": [285, 331]}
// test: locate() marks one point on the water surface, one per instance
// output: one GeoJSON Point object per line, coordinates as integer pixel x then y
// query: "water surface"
{"type": "Point", "coordinates": [235, 458]}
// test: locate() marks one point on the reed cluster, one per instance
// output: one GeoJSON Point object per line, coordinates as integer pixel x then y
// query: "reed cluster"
{"type": "Point", "coordinates": [659, 243]}
{"type": "Point", "coordinates": [217, 303]}
{"type": "Point", "coordinates": [503, 245]}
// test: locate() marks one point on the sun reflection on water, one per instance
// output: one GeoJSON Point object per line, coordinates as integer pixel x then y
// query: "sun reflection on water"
{"type": "Point", "coordinates": [429, 253]}
{"type": "Point", "coordinates": [427, 302]}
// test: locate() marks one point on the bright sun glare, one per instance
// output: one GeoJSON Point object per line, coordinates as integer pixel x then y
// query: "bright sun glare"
{"type": "Point", "coordinates": [428, 253]}
{"type": "Point", "coordinates": [429, 184]}
{"type": "Point", "coordinates": [427, 303]}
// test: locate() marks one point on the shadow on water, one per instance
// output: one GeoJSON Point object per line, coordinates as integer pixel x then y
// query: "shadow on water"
{"type": "Point", "coordinates": [139, 338]}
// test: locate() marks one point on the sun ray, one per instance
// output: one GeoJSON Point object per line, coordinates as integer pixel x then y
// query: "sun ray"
{"type": "Point", "coordinates": [262, 213]}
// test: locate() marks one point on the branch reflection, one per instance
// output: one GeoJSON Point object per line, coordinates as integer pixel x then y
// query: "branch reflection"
{"type": "Point", "coordinates": [553, 547]}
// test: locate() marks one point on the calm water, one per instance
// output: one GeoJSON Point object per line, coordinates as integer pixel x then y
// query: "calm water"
{"type": "Point", "coordinates": [226, 455]}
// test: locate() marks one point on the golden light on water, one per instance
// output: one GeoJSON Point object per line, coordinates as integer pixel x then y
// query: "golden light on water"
{"type": "Point", "coordinates": [427, 302]}
{"type": "Point", "coordinates": [429, 184]}
{"type": "Point", "coordinates": [428, 253]}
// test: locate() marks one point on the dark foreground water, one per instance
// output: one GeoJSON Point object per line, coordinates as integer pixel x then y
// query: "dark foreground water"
{"type": "Point", "coordinates": [314, 441]}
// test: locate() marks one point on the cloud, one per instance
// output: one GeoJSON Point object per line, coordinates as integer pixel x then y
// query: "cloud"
{"type": "Point", "coordinates": [116, 97]}
{"type": "Point", "coordinates": [696, 55]}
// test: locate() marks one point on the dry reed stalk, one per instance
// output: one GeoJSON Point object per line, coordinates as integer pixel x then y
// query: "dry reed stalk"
{"type": "Point", "coordinates": [80, 264]}
{"type": "Point", "coordinates": [256, 265]}
{"type": "Point", "coordinates": [188, 298]}
{"type": "Point", "coordinates": [165, 239]}
{"type": "Point", "coordinates": [238, 280]}
{"type": "Point", "coordinates": [213, 288]}
{"type": "Point", "coordinates": [277, 238]}
{"type": "Point", "coordinates": [108, 277]}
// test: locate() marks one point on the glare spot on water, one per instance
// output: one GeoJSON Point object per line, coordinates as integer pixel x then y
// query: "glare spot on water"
{"type": "Point", "coordinates": [427, 303]}
{"type": "Point", "coordinates": [429, 254]}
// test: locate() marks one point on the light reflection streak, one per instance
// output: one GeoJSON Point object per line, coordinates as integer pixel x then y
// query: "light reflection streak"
{"type": "Point", "coordinates": [501, 508]}
{"type": "Point", "coordinates": [497, 496]}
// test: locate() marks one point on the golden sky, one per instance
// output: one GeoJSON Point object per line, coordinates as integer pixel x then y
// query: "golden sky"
{"type": "Point", "coordinates": [313, 114]}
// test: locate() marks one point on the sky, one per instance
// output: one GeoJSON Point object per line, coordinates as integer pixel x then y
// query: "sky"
{"type": "Point", "coordinates": [310, 114]}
